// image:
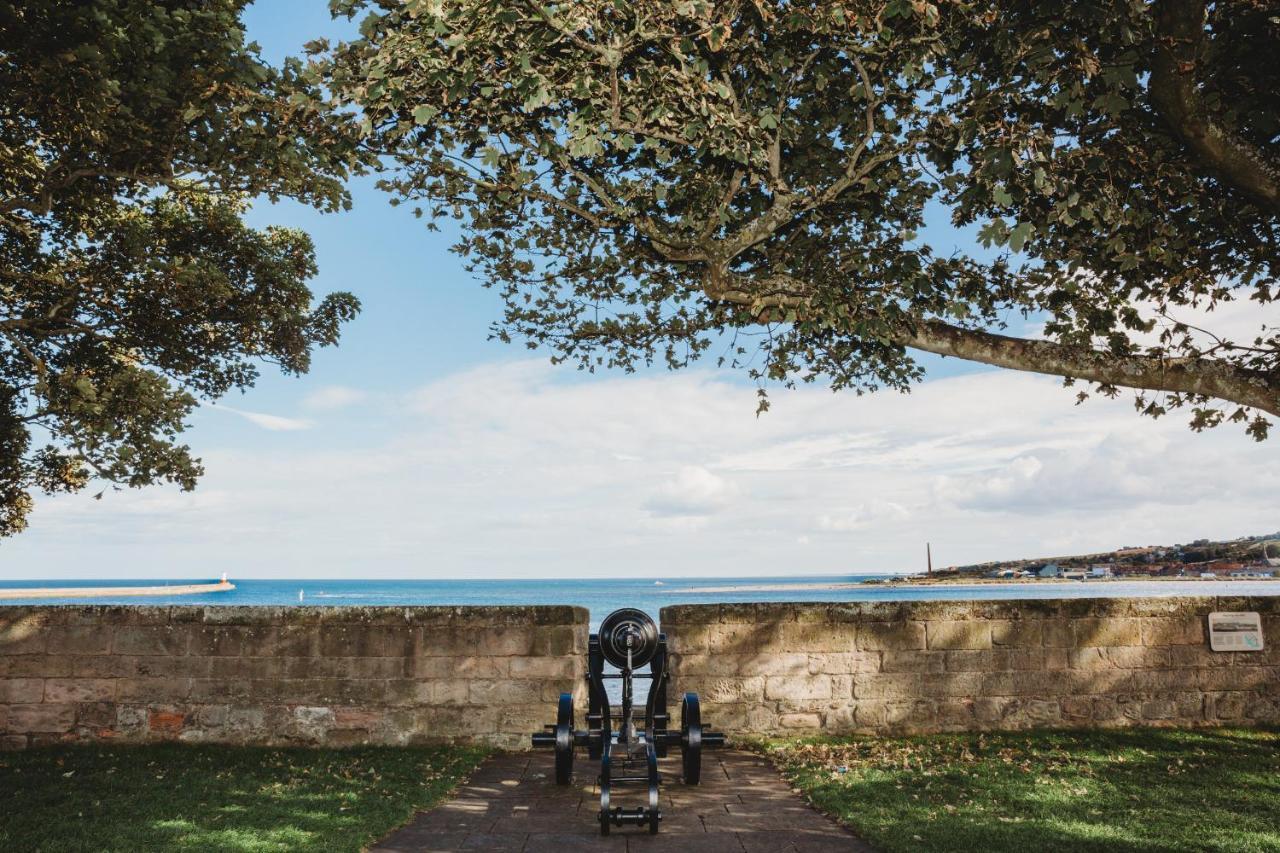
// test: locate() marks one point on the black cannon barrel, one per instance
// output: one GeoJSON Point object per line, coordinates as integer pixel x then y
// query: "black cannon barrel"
{"type": "Point", "coordinates": [628, 639]}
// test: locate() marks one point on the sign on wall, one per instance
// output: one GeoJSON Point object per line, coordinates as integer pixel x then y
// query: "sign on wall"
{"type": "Point", "coordinates": [1235, 632]}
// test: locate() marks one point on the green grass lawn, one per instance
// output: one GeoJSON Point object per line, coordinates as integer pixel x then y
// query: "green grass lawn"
{"type": "Point", "coordinates": [176, 797]}
{"type": "Point", "coordinates": [1135, 789]}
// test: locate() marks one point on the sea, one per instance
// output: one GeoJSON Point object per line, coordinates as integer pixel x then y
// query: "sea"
{"type": "Point", "coordinates": [601, 596]}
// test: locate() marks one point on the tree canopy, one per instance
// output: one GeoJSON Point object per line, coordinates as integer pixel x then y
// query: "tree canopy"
{"type": "Point", "coordinates": [645, 179]}
{"type": "Point", "coordinates": [133, 135]}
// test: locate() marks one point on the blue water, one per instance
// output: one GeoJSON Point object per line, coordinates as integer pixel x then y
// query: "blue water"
{"type": "Point", "coordinates": [602, 596]}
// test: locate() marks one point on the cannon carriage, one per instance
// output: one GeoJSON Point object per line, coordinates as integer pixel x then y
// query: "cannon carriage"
{"type": "Point", "coordinates": [628, 745]}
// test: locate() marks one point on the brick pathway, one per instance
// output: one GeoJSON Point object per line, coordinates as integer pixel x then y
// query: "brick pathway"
{"type": "Point", "coordinates": [511, 804]}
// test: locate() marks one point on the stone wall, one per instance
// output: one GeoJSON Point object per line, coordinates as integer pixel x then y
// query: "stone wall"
{"type": "Point", "coordinates": [907, 667]}
{"type": "Point", "coordinates": [291, 675]}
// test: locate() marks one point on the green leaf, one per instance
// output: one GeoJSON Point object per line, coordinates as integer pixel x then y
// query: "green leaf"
{"type": "Point", "coordinates": [1019, 235]}
{"type": "Point", "coordinates": [424, 114]}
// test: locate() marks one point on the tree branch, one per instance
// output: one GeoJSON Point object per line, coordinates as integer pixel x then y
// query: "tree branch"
{"type": "Point", "coordinates": [1208, 377]}
{"type": "Point", "coordinates": [1179, 41]}
{"type": "Point", "coordinates": [1203, 376]}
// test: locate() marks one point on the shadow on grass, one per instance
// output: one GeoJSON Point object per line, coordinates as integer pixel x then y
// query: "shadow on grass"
{"type": "Point", "coordinates": [176, 797]}
{"type": "Point", "coordinates": [1130, 790]}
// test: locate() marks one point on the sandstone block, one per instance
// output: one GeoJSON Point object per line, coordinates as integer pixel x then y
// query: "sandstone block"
{"type": "Point", "coordinates": [783, 663]}
{"type": "Point", "coordinates": [370, 669]}
{"type": "Point", "coordinates": [1031, 713]}
{"type": "Point", "coordinates": [1057, 633]}
{"type": "Point", "coordinates": [739, 639]}
{"type": "Point", "coordinates": [554, 641]}
{"type": "Point", "coordinates": [1225, 706]}
{"type": "Point", "coordinates": [1233, 678]}
{"type": "Point", "coordinates": [958, 635]}
{"type": "Point", "coordinates": [897, 685]}
{"type": "Point", "coordinates": [988, 710]}
{"type": "Point", "coordinates": [800, 721]}
{"type": "Point", "coordinates": [977, 660]}
{"type": "Point", "coordinates": [166, 722]}
{"type": "Point", "coordinates": [733, 689]}
{"type": "Point", "coordinates": [79, 640]}
{"type": "Point", "coordinates": [1184, 630]}
{"type": "Point", "coordinates": [956, 714]}
{"type": "Point", "coordinates": [24, 634]}
{"type": "Point", "coordinates": [913, 660]}
{"type": "Point", "coordinates": [890, 636]}
{"type": "Point", "coordinates": [497, 693]}
{"type": "Point", "coordinates": [1089, 659]}
{"type": "Point", "coordinates": [38, 666]}
{"type": "Point", "coordinates": [955, 684]}
{"type": "Point", "coordinates": [839, 663]}
{"type": "Point", "coordinates": [79, 690]}
{"type": "Point", "coordinates": [363, 640]}
{"type": "Point", "coordinates": [502, 642]}
{"type": "Point", "coordinates": [1077, 708]}
{"type": "Point", "coordinates": [1138, 657]}
{"type": "Point", "coordinates": [1022, 633]}
{"type": "Point", "coordinates": [160, 666]}
{"type": "Point", "coordinates": [543, 667]}
{"type": "Point", "coordinates": [146, 690]}
{"type": "Point", "coordinates": [26, 719]}
{"type": "Point", "coordinates": [797, 687]}
{"type": "Point", "coordinates": [220, 640]}
{"type": "Point", "coordinates": [454, 691]}
{"type": "Point", "coordinates": [292, 641]}
{"type": "Point", "coordinates": [21, 690]}
{"type": "Point", "coordinates": [150, 640]}
{"type": "Point", "coordinates": [463, 667]}
{"type": "Point", "coordinates": [870, 716]}
{"type": "Point", "coordinates": [92, 666]}
{"type": "Point", "coordinates": [817, 637]}
{"type": "Point", "coordinates": [1107, 632]}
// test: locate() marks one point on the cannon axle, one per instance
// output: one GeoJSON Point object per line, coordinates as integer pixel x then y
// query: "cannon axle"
{"type": "Point", "coordinates": [628, 640]}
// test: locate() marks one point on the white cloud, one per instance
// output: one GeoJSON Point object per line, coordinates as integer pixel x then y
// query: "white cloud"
{"type": "Point", "coordinates": [522, 469]}
{"type": "Point", "coordinates": [692, 491]}
{"type": "Point", "coordinates": [332, 397]}
{"type": "Point", "coordinates": [275, 423]}
{"type": "Point", "coordinates": [863, 515]}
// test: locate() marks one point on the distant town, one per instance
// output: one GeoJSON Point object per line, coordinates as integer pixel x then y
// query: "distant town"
{"type": "Point", "coordinates": [1248, 558]}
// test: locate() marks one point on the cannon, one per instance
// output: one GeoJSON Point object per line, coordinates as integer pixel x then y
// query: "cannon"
{"type": "Point", "coordinates": [628, 753]}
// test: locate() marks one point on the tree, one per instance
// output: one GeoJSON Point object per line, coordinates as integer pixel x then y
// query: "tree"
{"type": "Point", "coordinates": [133, 135]}
{"type": "Point", "coordinates": [644, 179]}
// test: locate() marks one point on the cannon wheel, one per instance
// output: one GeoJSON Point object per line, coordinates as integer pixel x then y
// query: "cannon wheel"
{"type": "Point", "coordinates": [654, 815]}
{"type": "Point", "coordinates": [604, 791]}
{"type": "Point", "coordinates": [691, 738]}
{"type": "Point", "coordinates": [564, 740]}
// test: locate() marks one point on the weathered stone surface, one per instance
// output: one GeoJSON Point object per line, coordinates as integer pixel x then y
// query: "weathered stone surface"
{"type": "Point", "coordinates": [286, 675]}
{"type": "Point", "coordinates": [30, 719]}
{"type": "Point", "coordinates": [423, 675]}
{"type": "Point", "coordinates": [59, 690]}
{"type": "Point", "coordinates": [78, 640]}
{"type": "Point", "coordinates": [940, 666]}
{"type": "Point", "coordinates": [890, 636]}
{"type": "Point", "coordinates": [17, 690]}
{"type": "Point", "coordinates": [150, 640]}
{"type": "Point", "coordinates": [970, 634]}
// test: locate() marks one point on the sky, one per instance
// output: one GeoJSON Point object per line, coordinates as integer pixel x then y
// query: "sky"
{"type": "Point", "coordinates": [421, 449]}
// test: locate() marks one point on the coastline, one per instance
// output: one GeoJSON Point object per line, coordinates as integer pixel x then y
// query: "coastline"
{"type": "Point", "coordinates": [905, 582]}
{"type": "Point", "coordinates": [11, 593]}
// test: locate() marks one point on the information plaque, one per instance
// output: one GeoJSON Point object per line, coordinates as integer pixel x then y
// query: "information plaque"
{"type": "Point", "coordinates": [1235, 632]}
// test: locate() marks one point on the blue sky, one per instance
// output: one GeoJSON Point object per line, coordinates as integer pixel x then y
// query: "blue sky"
{"type": "Point", "coordinates": [418, 448]}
